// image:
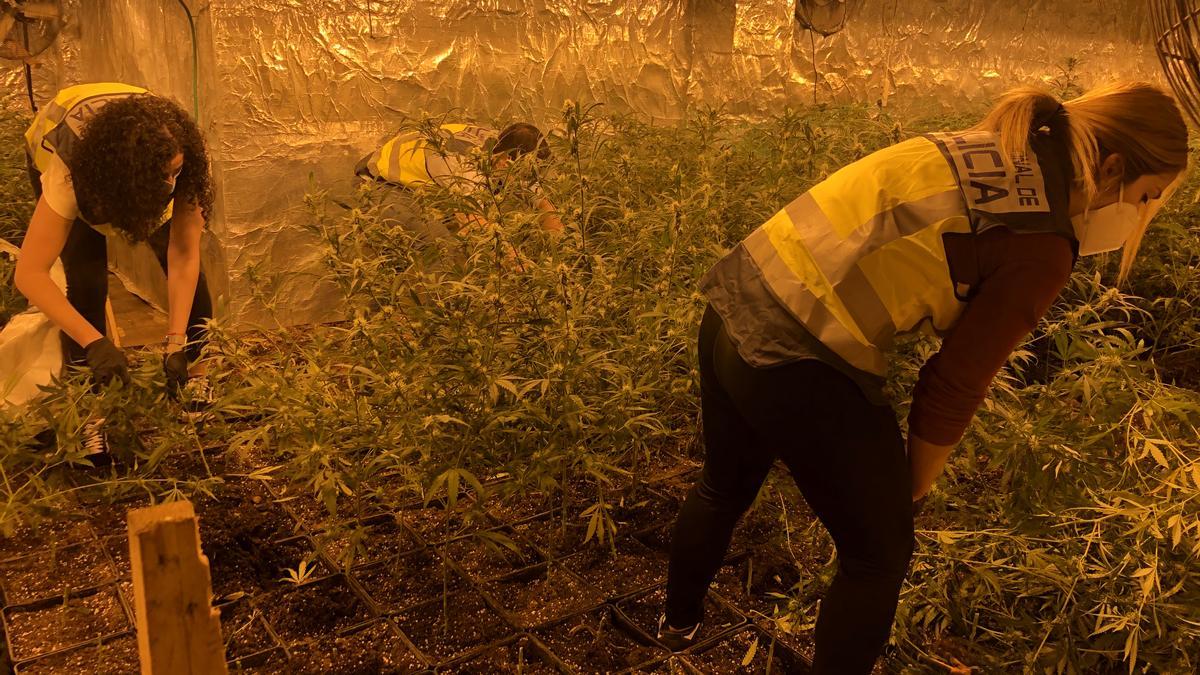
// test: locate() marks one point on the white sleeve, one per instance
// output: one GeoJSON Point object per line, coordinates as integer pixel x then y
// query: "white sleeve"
{"type": "Point", "coordinates": [58, 191]}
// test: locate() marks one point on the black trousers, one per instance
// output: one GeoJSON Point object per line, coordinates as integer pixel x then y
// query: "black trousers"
{"type": "Point", "coordinates": [848, 458]}
{"type": "Point", "coordinates": [85, 264]}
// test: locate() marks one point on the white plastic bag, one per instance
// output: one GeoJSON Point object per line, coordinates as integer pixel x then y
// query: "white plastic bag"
{"type": "Point", "coordinates": [30, 348]}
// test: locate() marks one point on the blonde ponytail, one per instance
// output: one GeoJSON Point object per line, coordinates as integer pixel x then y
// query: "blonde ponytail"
{"type": "Point", "coordinates": [1015, 115]}
{"type": "Point", "coordinates": [1137, 120]}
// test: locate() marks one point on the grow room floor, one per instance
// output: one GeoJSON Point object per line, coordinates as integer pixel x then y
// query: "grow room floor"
{"type": "Point", "coordinates": [423, 593]}
{"type": "Point", "coordinates": [138, 322]}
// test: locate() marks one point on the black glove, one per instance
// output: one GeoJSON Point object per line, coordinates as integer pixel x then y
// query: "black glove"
{"type": "Point", "coordinates": [175, 366]}
{"type": "Point", "coordinates": [107, 362]}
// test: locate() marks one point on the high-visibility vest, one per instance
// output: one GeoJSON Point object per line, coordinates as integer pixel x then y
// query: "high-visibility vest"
{"type": "Point", "coordinates": [56, 129]}
{"type": "Point", "coordinates": [410, 159]}
{"type": "Point", "coordinates": [862, 256]}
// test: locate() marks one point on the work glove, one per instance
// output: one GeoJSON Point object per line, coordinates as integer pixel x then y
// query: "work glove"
{"type": "Point", "coordinates": [107, 362]}
{"type": "Point", "coordinates": [175, 367]}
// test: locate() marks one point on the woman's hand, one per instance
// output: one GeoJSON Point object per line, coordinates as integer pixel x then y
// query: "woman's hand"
{"type": "Point", "coordinates": [107, 362]}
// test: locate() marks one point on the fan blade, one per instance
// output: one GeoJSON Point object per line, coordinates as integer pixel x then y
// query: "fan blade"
{"type": "Point", "coordinates": [41, 10]}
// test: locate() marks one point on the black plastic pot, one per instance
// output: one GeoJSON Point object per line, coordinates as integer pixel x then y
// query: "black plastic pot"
{"type": "Point", "coordinates": [122, 623]}
{"type": "Point", "coordinates": [578, 596]}
{"type": "Point", "coordinates": [529, 646]}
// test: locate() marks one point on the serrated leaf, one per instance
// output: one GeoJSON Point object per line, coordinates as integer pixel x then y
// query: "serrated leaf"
{"type": "Point", "coordinates": [750, 653]}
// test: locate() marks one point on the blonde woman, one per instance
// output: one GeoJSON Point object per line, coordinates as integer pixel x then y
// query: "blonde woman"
{"type": "Point", "coordinates": [970, 235]}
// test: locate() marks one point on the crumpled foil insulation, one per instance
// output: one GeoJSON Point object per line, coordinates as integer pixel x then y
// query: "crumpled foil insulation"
{"type": "Point", "coordinates": [290, 89]}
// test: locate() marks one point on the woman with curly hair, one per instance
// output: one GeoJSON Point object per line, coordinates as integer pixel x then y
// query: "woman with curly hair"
{"type": "Point", "coordinates": [109, 159]}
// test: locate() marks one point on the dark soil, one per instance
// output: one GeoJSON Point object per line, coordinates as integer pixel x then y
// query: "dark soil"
{"type": "Point", "coordinates": [238, 532]}
{"type": "Point", "coordinates": [665, 465]}
{"type": "Point", "coordinates": [668, 666]}
{"type": "Point", "coordinates": [728, 656]}
{"type": "Point", "coordinates": [313, 610]}
{"type": "Point", "coordinates": [547, 534]}
{"type": "Point", "coordinates": [27, 539]}
{"type": "Point", "coordinates": [657, 540]}
{"type": "Point", "coordinates": [632, 567]}
{"type": "Point", "coordinates": [52, 572]}
{"type": "Point", "coordinates": [800, 642]}
{"type": "Point", "coordinates": [108, 519]}
{"type": "Point", "coordinates": [677, 486]}
{"type": "Point", "coordinates": [118, 550]}
{"type": "Point", "coordinates": [517, 507]}
{"type": "Point", "coordinates": [241, 534]}
{"type": "Point", "coordinates": [243, 629]}
{"type": "Point", "coordinates": [645, 510]}
{"type": "Point", "coordinates": [114, 657]}
{"type": "Point", "coordinates": [52, 625]}
{"type": "Point", "coordinates": [375, 649]}
{"type": "Point", "coordinates": [521, 656]}
{"type": "Point", "coordinates": [306, 509]}
{"type": "Point", "coordinates": [750, 582]}
{"type": "Point", "coordinates": [466, 624]}
{"type": "Point", "coordinates": [368, 541]}
{"type": "Point", "coordinates": [435, 524]}
{"type": "Point", "coordinates": [644, 610]}
{"type": "Point", "coordinates": [397, 584]}
{"type": "Point", "coordinates": [541, 595]}
{"type": "Point", "coordinates": [484, 559]}
{"type": "Point", "coordinates": [191, 464]}
{"type": "Point", "coordinates": [759, 526]}
{"type": "Point", "coordinates": [270, 663]}
{"type": "Point", "coordinates": [592, 642]}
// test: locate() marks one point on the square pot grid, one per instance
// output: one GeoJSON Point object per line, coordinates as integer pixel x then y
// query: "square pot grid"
{"type": "Point", "coordinates": [518, 585]}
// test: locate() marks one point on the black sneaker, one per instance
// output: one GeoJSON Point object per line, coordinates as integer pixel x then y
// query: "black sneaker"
{"type": "Point", "coordinates": [676, 639]}
{"type": "Point", "coordinates": [95, 443]}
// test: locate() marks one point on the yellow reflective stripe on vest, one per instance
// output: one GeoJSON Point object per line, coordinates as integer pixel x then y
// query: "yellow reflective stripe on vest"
{"type": "Point", "coordinates": [57, 114]}
{"type": "Point", "coordinates": [64, 117]}
{"type": "Point", "coordinates": [406, 158]}
{"type": "Point", "coordinates": [862, 256]}
{"type": "Point", "coordinates": [848, 257]}
{"type": "Point", "coordinates": [906, 172]}
{"type": "Point", "coordinates": [797, 284]}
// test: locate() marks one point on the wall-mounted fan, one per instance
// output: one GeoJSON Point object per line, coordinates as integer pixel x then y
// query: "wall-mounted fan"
{"type": "Point", "coordinates": [1177, 24]}
{"type": "Point", "coordinates": [28, 28]}
{"type": "Point", "coordinates": [825, 17]}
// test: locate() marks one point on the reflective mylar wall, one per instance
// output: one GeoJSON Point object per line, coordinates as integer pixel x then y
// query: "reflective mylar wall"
{"type": "Point", "coordinates": [293, 88]}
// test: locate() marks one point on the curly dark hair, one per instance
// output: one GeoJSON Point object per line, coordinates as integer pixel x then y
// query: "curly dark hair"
{"type": "Point", "coordinates": [119, 166]}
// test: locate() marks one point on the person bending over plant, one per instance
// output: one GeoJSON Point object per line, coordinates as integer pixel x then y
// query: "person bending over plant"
{"type": "Point", "coordinates": [414, 158]}
{"type": "Point", "coordinates": [967, 234]}
{"type": "Point", "coordinates": [109, 159]}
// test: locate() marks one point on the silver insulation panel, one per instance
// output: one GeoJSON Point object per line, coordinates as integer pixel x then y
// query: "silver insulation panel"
{"type": "Point", "coordinates": [293, 88]}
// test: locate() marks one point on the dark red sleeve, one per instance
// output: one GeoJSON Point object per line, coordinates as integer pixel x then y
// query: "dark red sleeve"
{"type": "Point", "coordinates": [1021, 274]}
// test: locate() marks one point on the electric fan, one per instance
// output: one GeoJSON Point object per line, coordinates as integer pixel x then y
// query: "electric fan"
{"type": "Point", "coordinates": [28, 28]}
{"type": "Point", "coordinates": [1178, 46]}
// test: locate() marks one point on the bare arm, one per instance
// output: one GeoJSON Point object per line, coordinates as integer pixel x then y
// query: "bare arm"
{"type": "Point", "coordinates": [183, 265]}
{"type": "Point", "coordinates": [925, 461]}
{"type": "Point", "coordinates": [42, 245]}
{"type": "Point", "coordinates": [550, 220]}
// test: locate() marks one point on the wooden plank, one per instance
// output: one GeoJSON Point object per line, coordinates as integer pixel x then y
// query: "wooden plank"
{"type": "Point", "coordinates": [138, 322]}
{"type": "Point", "coordinates": [178, 631]}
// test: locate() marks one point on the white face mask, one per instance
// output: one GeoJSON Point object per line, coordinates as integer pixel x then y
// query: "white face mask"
{"type": "Point", "coordinates": [1106, 228]}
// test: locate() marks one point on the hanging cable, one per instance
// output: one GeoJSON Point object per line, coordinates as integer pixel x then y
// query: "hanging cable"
{"type": "Point", "coordinates": [195, 63]}
{"type": "Point", "coordinates": [28, 70]}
